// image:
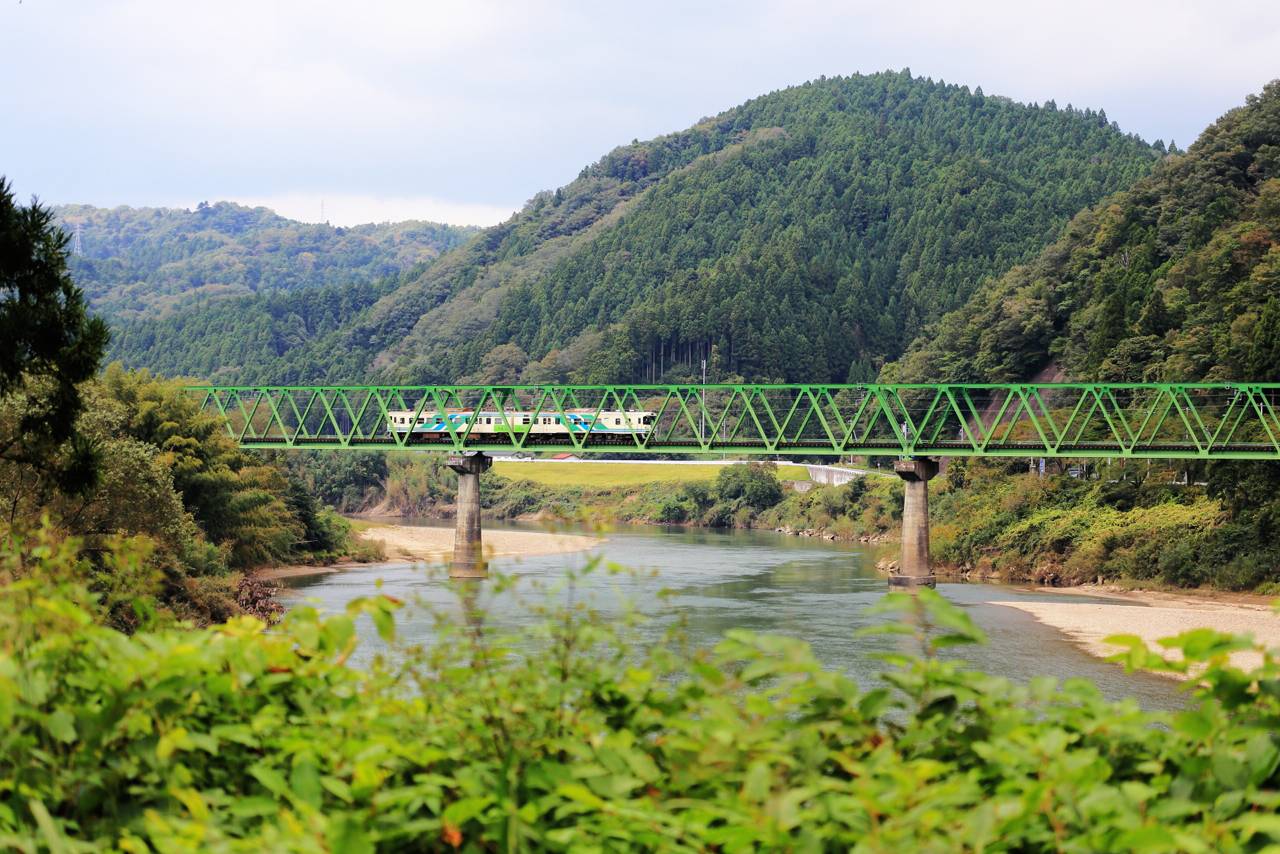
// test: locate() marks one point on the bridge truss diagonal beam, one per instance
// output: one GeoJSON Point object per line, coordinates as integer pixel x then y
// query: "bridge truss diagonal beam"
{"type": "Point", "coordinates": [1226, 420]}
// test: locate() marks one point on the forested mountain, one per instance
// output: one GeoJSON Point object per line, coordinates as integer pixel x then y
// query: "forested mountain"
{"type": "Point", "coordinates": [807, 234]}
{"type": "Point", "coordinates": [146, 262]}
{"type": "Point", "coordinates": [1176, 278]}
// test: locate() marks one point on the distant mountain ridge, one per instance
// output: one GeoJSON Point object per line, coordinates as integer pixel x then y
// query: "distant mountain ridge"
{"type": "Point", "coordinates": [808, 234]}
{"type": "Point", "coordinates": [147, 262]}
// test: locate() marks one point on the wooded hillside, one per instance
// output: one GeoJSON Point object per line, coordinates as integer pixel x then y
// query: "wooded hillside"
{"type": "Point", "coordinates": [808, 234]}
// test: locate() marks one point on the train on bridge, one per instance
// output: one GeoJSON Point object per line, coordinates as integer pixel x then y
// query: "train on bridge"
{"type": "Point", "coordinates": [436, 427]}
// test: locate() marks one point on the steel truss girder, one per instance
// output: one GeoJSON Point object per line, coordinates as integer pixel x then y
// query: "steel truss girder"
{"type": "Point", "coordinates": [1072, 420]}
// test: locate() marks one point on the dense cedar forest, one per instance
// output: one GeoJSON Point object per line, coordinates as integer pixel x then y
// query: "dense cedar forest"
{"type": "Point", "coordinates": [149, 262]}
{"type": "Point", "coordinates": [807, 234]}
{"type": "Point", "coordinates": [1175, 278]}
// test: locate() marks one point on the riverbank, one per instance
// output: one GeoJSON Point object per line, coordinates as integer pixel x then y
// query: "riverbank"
{"type": "Point", "coordinates": [1152, 615]}
{"type": "Point", "coordinates": [435, 545]}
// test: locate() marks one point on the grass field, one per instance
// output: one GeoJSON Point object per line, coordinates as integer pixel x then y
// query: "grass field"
{"type": "Point", "coordinates": [604, 475]}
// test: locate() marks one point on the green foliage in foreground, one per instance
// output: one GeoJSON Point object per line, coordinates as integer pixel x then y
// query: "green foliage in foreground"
{"type": "Point", "coordinates": [236, 738]}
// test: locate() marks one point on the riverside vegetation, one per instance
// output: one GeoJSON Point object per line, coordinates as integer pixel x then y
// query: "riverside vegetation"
{"type": "Point", "coordinates": [575, 737]}
{"type": "Point", "coordinates": [123, 459]}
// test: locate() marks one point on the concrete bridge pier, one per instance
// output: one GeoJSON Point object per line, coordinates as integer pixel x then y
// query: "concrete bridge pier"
{"type": "Point", "coordinates": [914, 569]}
{"type": "Point", "coordinates": [468, 551]}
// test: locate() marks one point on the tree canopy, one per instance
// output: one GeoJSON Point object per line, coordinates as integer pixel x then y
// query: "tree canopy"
{"type": "Point", "coordinates": [1172, 279]}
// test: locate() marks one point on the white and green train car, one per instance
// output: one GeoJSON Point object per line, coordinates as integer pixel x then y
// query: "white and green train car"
{"type": "Point", "coordinates": [574, 421]}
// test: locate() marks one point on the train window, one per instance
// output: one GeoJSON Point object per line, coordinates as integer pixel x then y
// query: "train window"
{"type": "Point", "coordinates": [525, 420]}
{"type": "Point", "coordinates": [617, 421]}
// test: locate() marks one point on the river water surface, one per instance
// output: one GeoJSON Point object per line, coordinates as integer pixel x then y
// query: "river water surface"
{"type": "Point", "coordinates": [719, 580]}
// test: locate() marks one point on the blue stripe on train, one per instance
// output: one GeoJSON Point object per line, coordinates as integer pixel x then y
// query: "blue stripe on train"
{"type": "Point", "coordinates": [458, 420]}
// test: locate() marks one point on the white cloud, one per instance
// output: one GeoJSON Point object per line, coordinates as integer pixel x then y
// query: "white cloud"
{"type": "Point", "coordinates": [355, 209]}
{"type": "Point", "coordinates": [484, 102]}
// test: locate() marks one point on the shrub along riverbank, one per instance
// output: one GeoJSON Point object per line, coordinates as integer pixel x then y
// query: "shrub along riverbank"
{"type": "Point", "coordinates": [201, 513]}
{"type": "Point", "coordinates": [745, 495]}
{"type": "Point", "coordinates": [233, 738]}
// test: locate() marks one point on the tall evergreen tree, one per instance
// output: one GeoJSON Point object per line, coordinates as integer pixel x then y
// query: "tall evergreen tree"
{"type": "Point", "coordinates": [50, 346]}
{"type": "Point", "coordinates": [1264, 355]}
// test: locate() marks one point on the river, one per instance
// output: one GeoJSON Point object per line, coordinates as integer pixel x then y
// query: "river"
{"type": "Point", "coordinates": [718, 580]}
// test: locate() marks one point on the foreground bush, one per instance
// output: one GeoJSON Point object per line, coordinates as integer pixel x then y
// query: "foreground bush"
{"type": "Point", "coordinates": [240, 738]}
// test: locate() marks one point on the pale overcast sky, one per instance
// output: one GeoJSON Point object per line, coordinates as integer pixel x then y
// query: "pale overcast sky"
{"type": "Point", "coordinates": [460, 111]}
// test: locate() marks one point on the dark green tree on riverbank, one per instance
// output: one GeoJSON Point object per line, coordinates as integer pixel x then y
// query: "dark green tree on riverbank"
{"type": "Point", "coordinates": [49, 345]}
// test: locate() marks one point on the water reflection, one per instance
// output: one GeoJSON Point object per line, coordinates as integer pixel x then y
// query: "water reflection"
{"type": "Point", "coordinates": [811, 589]}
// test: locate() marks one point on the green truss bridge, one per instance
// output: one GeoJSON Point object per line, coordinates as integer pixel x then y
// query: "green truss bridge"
{"type": "Point", "coordinates": [1204, 421]}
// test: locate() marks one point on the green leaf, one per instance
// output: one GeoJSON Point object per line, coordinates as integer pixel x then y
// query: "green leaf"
{"type": "Point", "coordinates": [1149, 838]}
{"type": "Point", "coordinates": [581, 794]}
{"type": "Point", "coordinates": [758, 782]}
{"type": "Point", "coordinates": [1230, 772]}
{"type": "Point", "coordinates": [385, 624]}
{"type": "Point", "coordinates": [1263, 757]}
{"type": "Point", "coordinates": [1193, 724]}
{"type": "Point", "coordinates": [253, 806]}
{"type": "Point", "coordinates": [53, 838]}
{"type": "Point", "coordinates": [271, 779]}
{"type": "Point", "coordinates": [338, 788]}
{"type": "Point", "coordinates": [346, 835]}
{"type": "Point", "coordinates": [1254, 823]}
{"type": "Point", "coordinates": [61, 725]}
